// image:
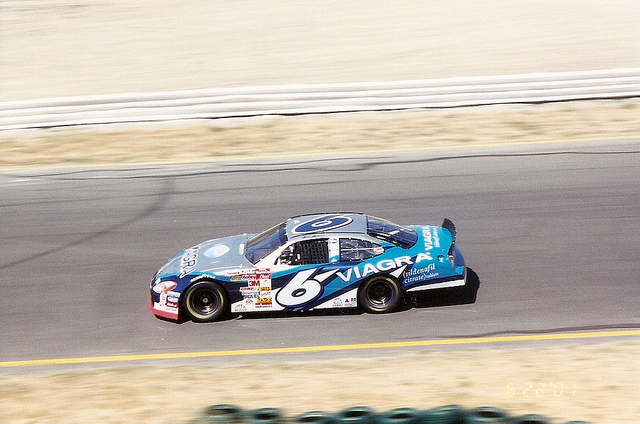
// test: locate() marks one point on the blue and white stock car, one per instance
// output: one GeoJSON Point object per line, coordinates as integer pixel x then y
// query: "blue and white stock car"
{"type": "Point", "coordinates": [337, 260]}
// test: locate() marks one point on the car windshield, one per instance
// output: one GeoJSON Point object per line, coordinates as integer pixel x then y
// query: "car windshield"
{"type": "Point", "coordinates": [393, 233]}
{"type": "Point", "coordinates": [264, 243]}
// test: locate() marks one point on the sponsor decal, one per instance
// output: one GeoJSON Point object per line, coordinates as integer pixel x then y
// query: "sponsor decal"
{"type": "Point", "coordinates": [428, 242]}
{"type": "Point", "coordinates": [249, 290]}
{"type": "Point", "coordinates": [343, 302]}
{"type": "Point", "coordinates": [420, 274]}
{"type": "Point", "coordinates": [173, 299]}
{"type": "Point", "coordinates": [188, 261]}
{"type": "Point", "coordinates": [165, 308]}
{"type": "Point", "coordinates": [346, 300]}
{"type": "Point", "coordinates": [384, 265]}
{"type": "Point", "coordinates": [258, 286]}
{"type": "Point", "coordinates": [253, 276]}
{"type": "Point", "coordinates": [308, 285]}
{"type": "Point", "coordinates": [169, 300]}
{"type": "Point", "coordinates": [264, 302]}
{"type": "Point", "coordinates": [322, 223]}
{"type": "Point", "coordinates": [436, 238]}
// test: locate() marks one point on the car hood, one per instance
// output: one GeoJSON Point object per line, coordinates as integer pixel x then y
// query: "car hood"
{"type": "Point", "coordinates": [208, 256]}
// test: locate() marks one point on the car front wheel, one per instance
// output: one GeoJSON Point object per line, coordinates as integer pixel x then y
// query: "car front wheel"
{"type": "Point", "coordinates": [380, 294]}
{"type": "Point", "coordinates": [205, 302]}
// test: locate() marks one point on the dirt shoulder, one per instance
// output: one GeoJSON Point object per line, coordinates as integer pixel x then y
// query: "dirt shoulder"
{"type": "Point", "coordinates": [335, 134]}
{"type": "Point", "coordinates": [592, 382]}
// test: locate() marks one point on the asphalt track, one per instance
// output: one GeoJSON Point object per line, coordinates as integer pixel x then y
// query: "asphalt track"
{"type": "Point", "coordinates": [551, 229]}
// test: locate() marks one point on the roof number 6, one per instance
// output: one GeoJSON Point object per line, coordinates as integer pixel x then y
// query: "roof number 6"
{"type": "Point", "coordinates": [322, 223]}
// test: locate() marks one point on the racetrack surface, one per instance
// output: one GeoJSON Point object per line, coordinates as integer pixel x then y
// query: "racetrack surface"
{"type": "Point", "coordinates": [551, 230]}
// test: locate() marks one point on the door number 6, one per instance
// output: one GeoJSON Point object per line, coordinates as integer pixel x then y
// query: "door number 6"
{"type": "Point", "coordinates": [302, 289]}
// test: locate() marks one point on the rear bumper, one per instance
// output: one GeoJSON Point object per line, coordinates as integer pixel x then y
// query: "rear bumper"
{"type": "Point", "coordinates": [457, 281]}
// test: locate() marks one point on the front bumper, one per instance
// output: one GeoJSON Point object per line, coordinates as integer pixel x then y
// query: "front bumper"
{"type": "Point", "coordinates": [162, 310]}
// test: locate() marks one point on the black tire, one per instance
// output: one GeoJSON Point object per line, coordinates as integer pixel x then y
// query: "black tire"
{"type": "Point", "coordinates": [223, 414]}
{"type": "Point", "coordinates": [356, 415]}
{"type": "Point", "coordinates": [205, 301]}
{"type": "Point", "coordinates": [265, 416]}
{"type": "Point", "coordinates": [380, 294]}
{"type": "Point", "coordinates": [447, 414]}
{"type": "Point", "coordinates": [486, 415]}
{"type": "Point", "coordinates": [400, 416]}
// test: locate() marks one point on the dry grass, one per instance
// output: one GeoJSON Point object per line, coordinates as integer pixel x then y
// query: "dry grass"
{"type": "Point", "coordinates": [340, 133]}
{"type": "Point", "coordinates": [596, 383]}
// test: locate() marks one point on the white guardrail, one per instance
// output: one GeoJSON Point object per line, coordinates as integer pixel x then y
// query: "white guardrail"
{"type": "Point", "coordinates": [321, 98]}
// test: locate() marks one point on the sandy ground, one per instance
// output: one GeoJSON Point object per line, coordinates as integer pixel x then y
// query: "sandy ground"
{"type": "Point", "coordinates": [53, 48]}
{"type": "Point", "coordinates": [56, 48]}
{"type": "Point", "coordinates": [596, 383]}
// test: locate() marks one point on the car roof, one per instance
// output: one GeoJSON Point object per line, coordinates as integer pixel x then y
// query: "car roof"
{"type": "Point", "coordinates": [326, 223]}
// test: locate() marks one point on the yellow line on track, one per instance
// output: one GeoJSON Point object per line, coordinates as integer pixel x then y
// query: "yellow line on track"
{"type": "Point", "coordinates": [328, 348]}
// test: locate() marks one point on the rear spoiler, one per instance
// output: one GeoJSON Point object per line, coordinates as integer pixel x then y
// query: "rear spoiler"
{"type": "Point", "coordinates": [450, 226]}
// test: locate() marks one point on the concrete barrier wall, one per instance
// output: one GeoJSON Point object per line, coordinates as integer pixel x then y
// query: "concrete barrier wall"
{"type": "Point", "coordinates": [319, 99]}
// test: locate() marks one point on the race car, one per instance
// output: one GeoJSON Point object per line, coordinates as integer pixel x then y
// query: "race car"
{"type": "Point", "coordinates": [308, 262]}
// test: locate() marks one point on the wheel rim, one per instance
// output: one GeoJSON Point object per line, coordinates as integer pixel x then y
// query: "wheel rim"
{"type": "Point", "coordinates": [380, 293]}
{"type": "Point", "coordinates": [204, 302]}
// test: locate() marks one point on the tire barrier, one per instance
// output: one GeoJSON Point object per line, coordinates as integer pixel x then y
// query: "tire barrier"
{"type": "Point", "coordinates": [486, 415]}
{"type": "Point", "coordinates": [223, 414]}
{"type": "Point", "coordinates": [530, 419]}
{"type": "Point", "coordinates": [315, 417]}
{"type": "Point", "coordinates": [400, 416]}
{"type": "Point", "coordinates": [448, 414]}
{"type": "Point", "coordinates": [265, 416]}
{"type": "Point", "coordinates": [356, 415]}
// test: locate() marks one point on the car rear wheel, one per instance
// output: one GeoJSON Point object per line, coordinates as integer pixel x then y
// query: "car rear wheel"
{"type": "Point", "coordinates": [206, 301]}
{"type": "Point", "coordinates": [380, 294]}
